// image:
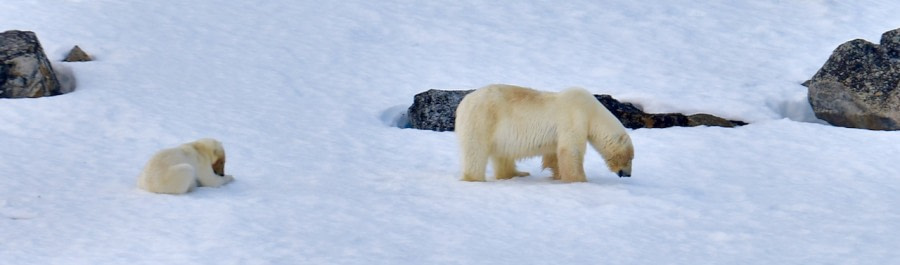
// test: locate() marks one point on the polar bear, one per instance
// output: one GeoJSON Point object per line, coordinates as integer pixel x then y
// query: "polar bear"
{"type": "Point", "coordinates": [504, 123]}
{"type": "Point", "coordinates": [180, 169]}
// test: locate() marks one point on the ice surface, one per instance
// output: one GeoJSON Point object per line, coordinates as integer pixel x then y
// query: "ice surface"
{"type": "Point", "coordinates": [305, 95]}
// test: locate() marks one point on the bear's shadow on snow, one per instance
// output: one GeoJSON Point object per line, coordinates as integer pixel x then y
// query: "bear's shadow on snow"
{"type": "Point", "coordinates": [595, 170]}
{"type": "Point", "coordinates": [545, 178]}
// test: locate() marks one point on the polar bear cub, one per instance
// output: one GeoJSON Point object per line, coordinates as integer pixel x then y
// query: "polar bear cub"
{"type": "Point", "coordinates": [180, 169]}
{"type": "Point", "coordinates": [503, 123]}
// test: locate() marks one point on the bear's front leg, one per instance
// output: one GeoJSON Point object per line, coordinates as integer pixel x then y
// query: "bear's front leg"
{"type": "Point", "coordinates": [474, 177]}
{"type": "Point", "coordinates": [571, 164]}
{"type": "Point", "coordinates": [473, 166]}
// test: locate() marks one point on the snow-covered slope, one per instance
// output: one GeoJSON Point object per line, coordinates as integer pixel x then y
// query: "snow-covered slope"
{"type": "Point", "coordinates": [302, 94]}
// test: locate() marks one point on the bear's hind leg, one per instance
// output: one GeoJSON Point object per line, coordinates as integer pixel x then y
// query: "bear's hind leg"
{"type": "Point", "coordinates": [505, 168]}
{"type": "Point", "coordinates": [550, 161]}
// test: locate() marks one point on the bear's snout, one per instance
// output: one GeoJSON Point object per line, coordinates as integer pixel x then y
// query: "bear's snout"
{"type": "Point", "coordinates": [623, 174]}
{"type": "Point", "coordinates": [219, 167]}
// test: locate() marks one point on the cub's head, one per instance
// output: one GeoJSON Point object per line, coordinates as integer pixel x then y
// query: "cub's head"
{"type": "Point", "coordinates": [213, 150]}
{"type": "Point", "coordinates": [618, 159]}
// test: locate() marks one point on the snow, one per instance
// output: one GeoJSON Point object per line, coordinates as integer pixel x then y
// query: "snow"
{"type": "Point", "coordinates": [305, 95]}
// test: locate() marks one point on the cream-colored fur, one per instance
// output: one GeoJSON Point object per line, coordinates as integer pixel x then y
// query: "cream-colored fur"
{"type": "Point", "coordinates": [503, 123]}
{"type": "Point", "coordinates": [180, 169]}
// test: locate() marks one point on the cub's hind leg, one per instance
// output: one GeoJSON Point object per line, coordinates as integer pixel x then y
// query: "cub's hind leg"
{"type": "Point", "coordinates": [177, 179]}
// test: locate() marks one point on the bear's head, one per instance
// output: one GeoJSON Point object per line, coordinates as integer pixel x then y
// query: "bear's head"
{"type": "Point", "coordinates": [213, 150]}
{"type": "Point", "coordinates": [619, 159]}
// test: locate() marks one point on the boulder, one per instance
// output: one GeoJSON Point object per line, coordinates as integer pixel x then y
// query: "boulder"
{"type": "Point", "coordinates": [436, 110]}
{"type": "Point", "coordinates": [25, 71]}
{"type": "Point", "coordinates": [858, 86]}
{"type": "Point", "coordinates": [77, 55]}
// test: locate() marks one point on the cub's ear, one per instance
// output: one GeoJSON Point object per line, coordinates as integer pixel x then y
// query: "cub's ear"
{"type": "Point", "coordinates": [207, 145]}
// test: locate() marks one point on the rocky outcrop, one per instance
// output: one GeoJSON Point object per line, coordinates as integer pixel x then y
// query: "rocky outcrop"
{"type": "Point", "coordinates": [25, 71]}
{"type": "Point", "coordinates": [77, 55]}
{"type": "Point", "coordinates": [859, 85]}
{"type": "Point", "coordinates": [703, 119]}
{"type": "Point", "coordinates": [436, 110]}
{"type": "Point", "coordinates": [634, 118]}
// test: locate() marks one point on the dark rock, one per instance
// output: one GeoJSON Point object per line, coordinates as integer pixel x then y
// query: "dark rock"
{"type": "Point", "coordinates": [858, 85]}
{"type": "Point", "coordinates": [665, 120]}
{"type": "Point", "coordinates": [710, 120]}
{"type": "Point", "coordinates": [77, 55]}
{"type": "Point", "coordinates": [436, 110]}
{"type": "Point", "coordinates": [634, 118]}
{"type": "Point", "coordinates": [25, 71]}
{"type": "Point", "coordinates": [628, 114]}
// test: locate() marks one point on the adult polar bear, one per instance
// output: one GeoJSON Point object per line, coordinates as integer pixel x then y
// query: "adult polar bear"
{"type": "Point", "coordinates": [181, 169]}
{"type": "Point", "coordinates": [504, 123]}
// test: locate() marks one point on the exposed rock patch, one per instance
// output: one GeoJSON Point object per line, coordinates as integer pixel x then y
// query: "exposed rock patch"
{"type": "Point", "coordinates": [436, 110]}
{"type": "Point", "coordinates": [77, 55]}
